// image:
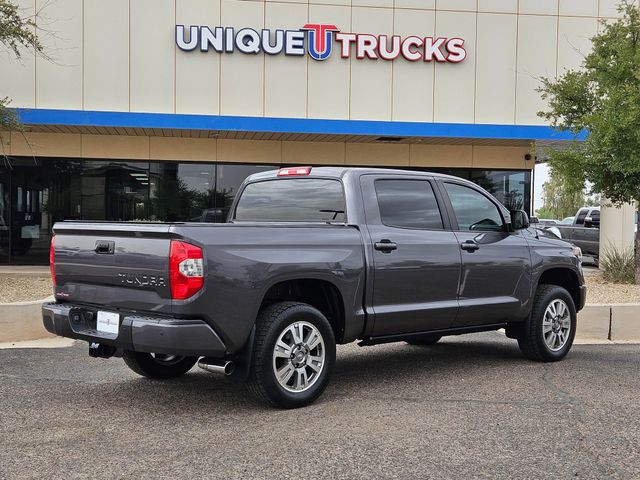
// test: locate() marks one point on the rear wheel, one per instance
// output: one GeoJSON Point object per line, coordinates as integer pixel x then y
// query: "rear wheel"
{"type": "Point", "coordinates": [426, 340]}
{"type": "Point", "coordinates": [158, 365]}
{"type": "Point", "coordinates": [294, 353]}
{"type": "Point", "coordinates": [547, 335]}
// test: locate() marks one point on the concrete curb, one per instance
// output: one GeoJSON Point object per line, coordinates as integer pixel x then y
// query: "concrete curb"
{"type": "Point", "coordinates": [21, 321]}
{"type": "Point", "coordinates": [616, 322]}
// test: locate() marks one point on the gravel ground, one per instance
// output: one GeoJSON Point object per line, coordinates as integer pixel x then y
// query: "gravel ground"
{"type": "Point", "coordinates": [23, 288]}
{"type": "Point", "coordinates": [601, 291]}
{"type": "Point", "coordinates": [471, 407]}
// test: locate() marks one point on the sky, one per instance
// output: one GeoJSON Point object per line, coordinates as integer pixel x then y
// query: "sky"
{"type": "Point", "coordinates": [541, 176]}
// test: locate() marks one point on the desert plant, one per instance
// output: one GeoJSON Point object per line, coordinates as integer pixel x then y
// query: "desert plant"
{"type": "Point", "coordinates": [618, 264]}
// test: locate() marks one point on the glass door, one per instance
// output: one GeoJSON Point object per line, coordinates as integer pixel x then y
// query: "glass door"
{"type": "Point", "coordinates": [5, 214]}
{"type": "Point", "coordinates": [43, 191]}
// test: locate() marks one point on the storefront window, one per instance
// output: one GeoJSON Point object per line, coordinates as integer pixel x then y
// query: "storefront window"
{"type": "Point", "coordinates": [511, 187]}
{"type": "Point", "coordinates": [5, 215]}
{"type": "Point", "coordinates": [114, 190]}
{"type": "Point", "coordinates": [183, 192]}
{"type": "Point", "coordinates": [230, 177]}
{"type": "Point", "coordinates": [36, 193]}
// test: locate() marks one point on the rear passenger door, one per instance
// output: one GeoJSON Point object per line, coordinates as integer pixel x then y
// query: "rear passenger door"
{"type": "Point", "coordinates": [416, 260]}
{"type": "Point", "coordinates": [495, 285]}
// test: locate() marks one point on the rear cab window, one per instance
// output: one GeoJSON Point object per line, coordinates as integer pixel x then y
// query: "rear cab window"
{"type": "Point", "coordinates": [292, 200]}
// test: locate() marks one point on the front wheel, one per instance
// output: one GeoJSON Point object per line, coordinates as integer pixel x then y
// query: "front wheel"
{"type": "Point", "coordinates": [547, 335]}
{"type": "Point", "coordinates": [294, 353]}
{"type": "Point", "coordinates": [158, 366]}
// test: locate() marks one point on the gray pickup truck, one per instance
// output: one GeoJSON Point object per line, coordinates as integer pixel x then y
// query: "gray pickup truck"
{"type": "Point", "coordinates": [311, 258]}
{"type": "Point", "coordinates": [584, 232]}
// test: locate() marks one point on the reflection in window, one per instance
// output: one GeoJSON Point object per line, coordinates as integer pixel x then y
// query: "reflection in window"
{"type": "Point", "coordinates": [195, 192]}
{"type": "Point", "coordinates": [117, 191]}
{"type": "Point", "coordinates": [292, 200]}
{"type": "Point", "coordinates": [408, 204]}
{"type": "Point", "coordinates": [4, 215]}
{"type": "Point", "coordinates": [229, 179]}
{"type": "Point", "coordinates": [183, 192]}
{"type": "Point", "coordinates": [473, 210]}
{"type": "Point", "coordinates": [512, 188]}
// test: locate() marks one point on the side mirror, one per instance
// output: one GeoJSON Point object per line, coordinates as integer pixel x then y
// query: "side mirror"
{"type": "Point", "coordinates": [519, 220]}
{"type": "Point", "coordinates": [589, 222]}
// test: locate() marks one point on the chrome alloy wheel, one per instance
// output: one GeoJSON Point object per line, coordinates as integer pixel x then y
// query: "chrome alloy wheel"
{"type": "Point", "coordinates": [556, 325]}
{"type": "Point", "coordinates": [165, 359]}
{"type": "Point", "coordinates": [298, 357]}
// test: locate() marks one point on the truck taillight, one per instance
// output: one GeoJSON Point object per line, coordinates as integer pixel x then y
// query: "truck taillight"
{"type": "Point", "coordinates": [52, 257]}
{"type": "Point", "coordinates": [186, 269]}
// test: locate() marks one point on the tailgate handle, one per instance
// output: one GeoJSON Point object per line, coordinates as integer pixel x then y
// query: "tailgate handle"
{"type": "Point", "coordinates": [105, 247]}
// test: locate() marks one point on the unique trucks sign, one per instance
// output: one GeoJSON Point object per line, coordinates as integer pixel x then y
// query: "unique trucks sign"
{"type": "Point", "coordinates": [318, 40]}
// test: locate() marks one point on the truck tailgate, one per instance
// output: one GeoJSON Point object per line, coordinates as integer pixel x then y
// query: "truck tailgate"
{"type": "Point", "coordinates": [113, 264]}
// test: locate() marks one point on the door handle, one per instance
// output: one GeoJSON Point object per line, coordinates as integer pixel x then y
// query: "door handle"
{"type": "Point", "coordinates": [385, 246]}
{"type": "Point", "coordinates": [469, 246]}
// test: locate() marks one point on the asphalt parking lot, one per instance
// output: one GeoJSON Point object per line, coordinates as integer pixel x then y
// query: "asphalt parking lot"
{"type": "Point", "coordinates": [470, 407]}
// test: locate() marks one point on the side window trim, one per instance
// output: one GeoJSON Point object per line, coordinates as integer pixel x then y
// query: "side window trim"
{"type": "Point", "coordinates": [449, 206]}
{"type": "Point", "coordinates": [435, 191]}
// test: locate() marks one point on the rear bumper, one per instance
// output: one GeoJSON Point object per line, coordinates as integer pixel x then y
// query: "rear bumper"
{"type": "Point", "coordinates": [140, 333]}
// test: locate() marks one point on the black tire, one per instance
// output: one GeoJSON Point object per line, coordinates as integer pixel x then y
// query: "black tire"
{"type": "Point", "coordinates": [272, 322]}
{"type": "Point", "coordinates": [147, 365]}
{"type": "Point", "coordinates": [532, 340]}
{"type": "Point", "coordinates": [425, 341]}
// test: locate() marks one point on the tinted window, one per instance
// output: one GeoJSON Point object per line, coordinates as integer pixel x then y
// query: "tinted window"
{"type": "Point", "coordinates": [595, 215]}
{"type": "Point", "coordinates": [473, 210]}
{"type": "Point", "coordinates": [511, 188]}
{"type": "Point", "coordinates": [582, 214]}
{"type": "Point", "coordinates": [408, 204]}
{"type": "Point", "coordinates": [229, 179]}
{"type": "Point", "coordinates": [292, 200]}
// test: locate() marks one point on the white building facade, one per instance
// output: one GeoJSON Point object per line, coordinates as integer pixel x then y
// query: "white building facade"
{"type": "Point", "coordinates": [157, 109]}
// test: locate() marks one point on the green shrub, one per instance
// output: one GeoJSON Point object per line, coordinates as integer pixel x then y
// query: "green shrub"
{"type": "Point", "coordinates": [618, 265]}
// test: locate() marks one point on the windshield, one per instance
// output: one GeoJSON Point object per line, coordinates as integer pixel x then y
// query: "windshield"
{"type": "Point", "coordinates": [567, 221]}
{"type": "Point", "coordinates": [292, 200]}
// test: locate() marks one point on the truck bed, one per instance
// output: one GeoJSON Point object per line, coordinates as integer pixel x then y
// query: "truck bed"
{"type": "Point", "coordinates": [125, 267]}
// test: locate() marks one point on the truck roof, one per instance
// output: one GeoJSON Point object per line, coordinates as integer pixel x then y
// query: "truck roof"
{"type": "Point", "coordinates": [340, 172]}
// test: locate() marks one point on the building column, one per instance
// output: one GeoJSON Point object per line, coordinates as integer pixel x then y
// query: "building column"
{"type": "Point", "coordinates": [617, 226]}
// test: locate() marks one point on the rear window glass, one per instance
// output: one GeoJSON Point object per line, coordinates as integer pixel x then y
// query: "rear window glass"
{"type": "Point", "coordinates": [292, 200]}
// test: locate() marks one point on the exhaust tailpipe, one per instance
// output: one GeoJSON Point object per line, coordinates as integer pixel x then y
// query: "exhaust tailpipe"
{"type": "Point", "coordinates": [217, 366]}
{"type": "Point", "coordinates": [98, 350]}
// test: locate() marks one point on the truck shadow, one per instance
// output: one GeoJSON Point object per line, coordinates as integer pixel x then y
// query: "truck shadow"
{"type": "Point", "coordinates": [358, 371]}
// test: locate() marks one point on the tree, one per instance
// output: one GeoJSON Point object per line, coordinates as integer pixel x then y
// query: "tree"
{"type": "Point", "coordinates": [16, 34]}
{"type": "Point", "coordinates": [602, 98]}
{"type": "Point", "coordinates": [561, 198]}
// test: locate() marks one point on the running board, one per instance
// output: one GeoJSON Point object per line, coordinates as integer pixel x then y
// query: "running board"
{"type": "Point", "coordinates": [399, 337]}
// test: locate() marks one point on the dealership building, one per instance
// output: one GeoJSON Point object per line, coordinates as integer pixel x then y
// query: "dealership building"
{"type": "Point", "coordinates": [158, 109]}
